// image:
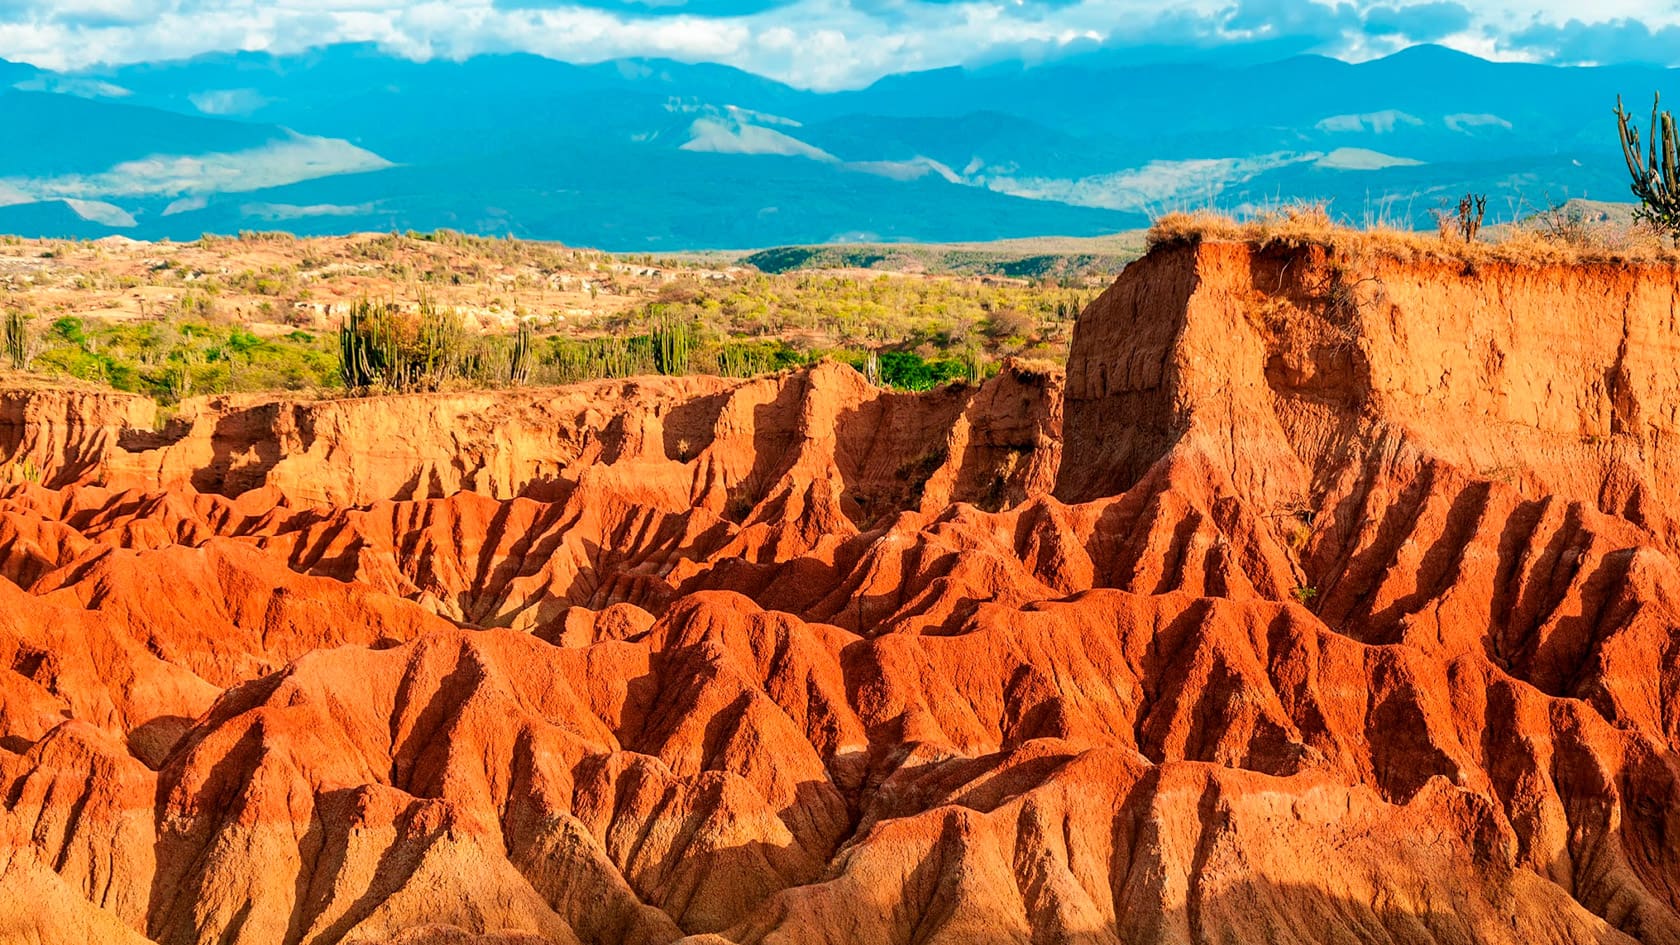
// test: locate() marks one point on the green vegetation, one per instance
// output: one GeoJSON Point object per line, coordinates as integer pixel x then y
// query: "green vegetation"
{"type": "Point", "coordinates": [906, 370]}
{"type": "Point", "coordinates": [173, 360]}
{"type": "Point", "coordinates": [673, 343]}
{"type": "Point", "coordinates": [20, 471]}
{"type": "Point", "coordinates": [267, 312]}
{"type": "Point", "coordinates": [387, 347]}
{"type": "Point", "coordinates": [383, 347]}
{"type": "Point", "coordinates": [1655, 168]}
{"type": "Point", "coordinates": [939, 317]}
{"type": "Point", "coordinates": [569, 361]}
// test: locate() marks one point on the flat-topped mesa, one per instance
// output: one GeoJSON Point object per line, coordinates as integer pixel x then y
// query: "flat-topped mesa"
{"type": "Point", "coordinates": [1293, 368]}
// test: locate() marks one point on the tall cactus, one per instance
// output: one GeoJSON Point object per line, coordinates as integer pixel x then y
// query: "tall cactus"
{"type": "Point", "coordinates": [732, 362]}
{"type": "Point", "coordinates": [440, 348]}
{"type": "Point", "coordinates": [619, 360]}
{"type": "Point", "coordinates": [974, 365]}
{"type": "Point", "coordinates": [18, 346]}
{"type": "Point", "coordinates": [357, 363]}
{"type": "Point", "coordinates": [673, 342]}
{"type": "Point", "coordinates": [519, 358]}
{"type": "Point", "coordinates": [1655, 168]}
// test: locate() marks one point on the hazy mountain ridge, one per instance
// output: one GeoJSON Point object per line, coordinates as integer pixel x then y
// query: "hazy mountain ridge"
{"type": "Point", "coordinates": [637, 154]}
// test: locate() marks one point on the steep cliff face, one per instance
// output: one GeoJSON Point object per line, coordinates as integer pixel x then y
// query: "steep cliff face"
{"type": "Point", "coordinates": [711, 433]}
{"type": "Point", "coordinates": [1334, 602]}
{"type": "Point", "coordinates": [1290, 367]}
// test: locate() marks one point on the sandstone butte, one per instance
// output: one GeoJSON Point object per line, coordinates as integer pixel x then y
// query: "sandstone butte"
{"type": "Point", "coordinates": [1330, 598]}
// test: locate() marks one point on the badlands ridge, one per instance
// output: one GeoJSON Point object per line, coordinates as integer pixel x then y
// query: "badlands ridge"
{"type": "Point", "coordinates": [1330, 598]}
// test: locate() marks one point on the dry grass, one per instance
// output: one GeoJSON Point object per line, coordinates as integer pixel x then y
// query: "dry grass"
{"type": "Point", "coordinates": [1560, 236]}
{"type": "Point", "coordinates": [1032, 367]}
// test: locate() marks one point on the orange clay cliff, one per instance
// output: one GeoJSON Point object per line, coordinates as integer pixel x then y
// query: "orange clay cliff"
{"type": "Point", "coordinates": [1331, 598]}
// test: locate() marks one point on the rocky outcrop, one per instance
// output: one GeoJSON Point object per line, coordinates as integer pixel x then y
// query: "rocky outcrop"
{"type": "Point", "coordinates": [539, 442]}
{"type": "Point", "coordinates": [1291, 367]}
{"type": "Point", "coordinates": [1284, 625]}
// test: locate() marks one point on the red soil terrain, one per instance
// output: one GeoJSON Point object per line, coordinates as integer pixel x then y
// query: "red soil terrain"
{"type": "Point", "coordinates": [1334, 600]}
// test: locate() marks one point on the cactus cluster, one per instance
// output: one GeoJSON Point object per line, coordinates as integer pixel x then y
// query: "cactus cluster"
{"type": "Point", "coordinates": [20, 471]}
{"type": "Point", "coordinates": [499, 362]}
{"type": "Point", "coordinates": [19, 346]}
{"type": "Point", "coordinates": [617, 358]}
{"type": "Point", "coordinates": [1655, 166]}
{"type": "Point", "coordinates": [737, 359]}
{"type": "Point", "coordinates": [381, 346]}
{"type": "Point", "coordinates": [358, 351]}
{"type": "Point", "coordinates": [178, 376]}
{"type": "Point", "coordinates": [673, 344]}
{"type": "Point", "coordinates": [735, 362]}
{"type": "Point", "coordinates": [598, 358]}
{"type": "Point", "coordinates": [974, 363]}
{"type": "Point", "coordinates": [385, 347]}
{"type": "Point", "coordinates": [519, 357]}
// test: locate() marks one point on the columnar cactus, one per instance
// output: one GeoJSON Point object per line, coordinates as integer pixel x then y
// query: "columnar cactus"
{"type": "Point", "coordinates": [519, 358]}
{"type": "Point", "coordinates": [1655, 168]}
{"type": "Point", "coordinates": [18, 347]}
{"type": "Point", "coordinates": [356, 365]}
{"type": "Point", "coordinates": [673, 341]}
{"type": "Point", "coordinates": [380, 346]}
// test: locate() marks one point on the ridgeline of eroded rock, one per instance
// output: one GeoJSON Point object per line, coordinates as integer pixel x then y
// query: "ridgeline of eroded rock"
{"type": "Point", "coordinates": [1334, 600]}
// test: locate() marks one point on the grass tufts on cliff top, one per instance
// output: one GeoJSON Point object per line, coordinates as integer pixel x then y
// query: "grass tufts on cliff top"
{"type": "Point", "coordinates": [1576, 232]}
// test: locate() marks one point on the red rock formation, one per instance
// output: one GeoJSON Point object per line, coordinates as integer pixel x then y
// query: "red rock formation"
{"type": "Point", "coordinates": [1345, 610]}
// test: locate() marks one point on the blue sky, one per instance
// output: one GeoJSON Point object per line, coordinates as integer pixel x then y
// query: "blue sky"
{"type": "Point", "coordinates": [829, 44]}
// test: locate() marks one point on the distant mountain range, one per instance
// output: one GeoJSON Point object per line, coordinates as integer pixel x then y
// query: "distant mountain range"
{"type": "Point", "coordinates": [639, 155]}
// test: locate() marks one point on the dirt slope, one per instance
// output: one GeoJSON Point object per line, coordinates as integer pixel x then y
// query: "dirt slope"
{"type": "Point", "coordinates": [1336, 601]}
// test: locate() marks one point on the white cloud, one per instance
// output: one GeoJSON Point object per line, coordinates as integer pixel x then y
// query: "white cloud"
{"type": "Point", "coordinates": [914, 169]}
{"type": "Point", "coordinates": [280, 212]}
{"type": "Point", "coordinates": [724, 137]}
{"type": "Point", "coordinates": [228, 101]}
{"type": "Point", "coordinates": [1464, 122]}
{"type": "Point", "coordinates": [1380, 123]}
{"type": "Point", "coordinates": [11, 196]}
{"type": "Point", "coordinates": [732, 113]}
{"type": "Point", "coordinates": [100, 212]}
{"type": "Point", "coordinates": [1156, 186]}
{"type": "Point", "coordinates": [813, 43]}
{"type": "Point", "coordinates": [81, 88]}
{"type": "Point", "coordinates": [1362, 159]}
{"type": "Point", "coordinates": [300, 157]}
{"type": "Point", "coordinates": [186, 205]}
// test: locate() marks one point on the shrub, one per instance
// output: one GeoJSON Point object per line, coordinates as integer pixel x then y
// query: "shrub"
{"type": "Point", "coordinates": [907, 370]}
{"type": "Point", "coordinates": [1465, 221]}
{"type": "Point", "coordinates": [1009, 325]}
{"type": "Point", "coordinates": [382, 346]}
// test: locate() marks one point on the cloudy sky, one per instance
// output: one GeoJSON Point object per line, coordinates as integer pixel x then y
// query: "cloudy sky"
{"type": "Point", "coordinates": [839, 43]}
